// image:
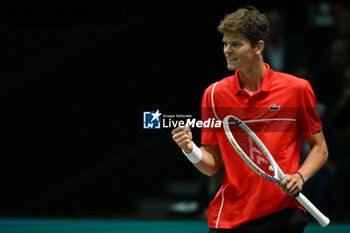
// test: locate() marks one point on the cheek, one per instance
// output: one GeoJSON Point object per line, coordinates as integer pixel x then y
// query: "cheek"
{"type": "Point", "coordinates": [247, 53]}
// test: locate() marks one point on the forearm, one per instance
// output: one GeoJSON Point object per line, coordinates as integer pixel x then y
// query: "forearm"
{"type": "Point", "coordinates": [210, 162]}
{"type": "Point", "coordinates": [206, 158]}
{"type": "Point", "coordinates": [316, 158]}
{"type": "Point", "coordinates": [292, 183]}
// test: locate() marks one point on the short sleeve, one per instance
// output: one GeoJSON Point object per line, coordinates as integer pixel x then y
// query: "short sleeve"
{"type": "Point", "coordinates": [208, 134]}
{"type": "Point", "coordinates": [309, 121]}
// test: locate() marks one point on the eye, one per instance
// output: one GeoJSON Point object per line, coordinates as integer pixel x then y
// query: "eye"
{"type": "Point", "coordinates": [236, 44]}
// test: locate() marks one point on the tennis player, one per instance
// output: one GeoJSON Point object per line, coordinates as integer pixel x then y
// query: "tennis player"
{"type": "Point", "coordinates": [246, 202]}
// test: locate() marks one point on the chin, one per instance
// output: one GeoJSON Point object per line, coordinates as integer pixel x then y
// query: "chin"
{"type": "Point", "coordinates": [231, 68]}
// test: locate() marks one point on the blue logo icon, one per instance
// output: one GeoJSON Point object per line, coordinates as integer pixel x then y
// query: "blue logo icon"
{"type": "Point", "coordinates": [151, 120]}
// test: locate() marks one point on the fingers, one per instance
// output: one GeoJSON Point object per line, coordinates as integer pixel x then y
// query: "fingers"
{"type": "Point", "coordinates": [177, 130]}
{"type": "Point", "coordinates": [183, 138]}
{"type": "Point", "coordinates": [180, 130]}
{"type": "Point", "coordinates": [291, 185]}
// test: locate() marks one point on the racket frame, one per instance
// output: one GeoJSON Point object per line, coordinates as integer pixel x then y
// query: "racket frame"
{"type": "Point", "coordinates": [278, 173]}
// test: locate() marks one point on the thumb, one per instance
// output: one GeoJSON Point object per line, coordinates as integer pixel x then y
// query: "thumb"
{"type": "Point", "coordinates": [188, 131]}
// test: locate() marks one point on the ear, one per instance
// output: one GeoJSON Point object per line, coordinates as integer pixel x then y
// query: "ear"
{"type": "Point", "coordinates": [259, 48]}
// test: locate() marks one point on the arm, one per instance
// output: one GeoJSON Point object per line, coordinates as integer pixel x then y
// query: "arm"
{"type": "Point", "coordinates": [317, 156]}
{"type": "Point", "coordinates": [209, 163]}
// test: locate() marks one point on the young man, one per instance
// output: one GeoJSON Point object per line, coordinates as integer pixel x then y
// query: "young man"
{"type": "Point", "coordinates": [246, 202]}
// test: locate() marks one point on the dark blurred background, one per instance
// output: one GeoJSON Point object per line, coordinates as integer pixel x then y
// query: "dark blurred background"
{"type": "Point", "coordinates": [78, 75]}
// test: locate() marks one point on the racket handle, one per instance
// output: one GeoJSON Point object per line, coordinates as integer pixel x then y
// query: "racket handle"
{"type": "Point", "coordinates": [323, 220]}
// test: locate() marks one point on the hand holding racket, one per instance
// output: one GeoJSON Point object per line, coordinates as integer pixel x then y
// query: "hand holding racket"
{"type": "Point", "coordinates": [244, 141]}
{"type": "Point", "coordinates": [291, 185]}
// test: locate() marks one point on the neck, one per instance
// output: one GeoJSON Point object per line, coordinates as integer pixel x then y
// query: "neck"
{"type": "Point", "coordinates": [251, 77]}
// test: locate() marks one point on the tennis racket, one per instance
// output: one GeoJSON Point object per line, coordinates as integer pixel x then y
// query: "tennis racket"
{"type": "Point", "coordinates": [250, 148]}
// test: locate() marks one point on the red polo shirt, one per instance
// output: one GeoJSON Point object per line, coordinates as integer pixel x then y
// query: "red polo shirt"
{"type": "Point", "coordinates": [281, 112]}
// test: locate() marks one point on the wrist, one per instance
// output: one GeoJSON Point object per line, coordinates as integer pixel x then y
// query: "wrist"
{"type": "Point", "coordinates": [300, 175]}
{"type": "Point", "coordinates": [188, 150]}
{"type": "Point", "coordinates": [195, 156]}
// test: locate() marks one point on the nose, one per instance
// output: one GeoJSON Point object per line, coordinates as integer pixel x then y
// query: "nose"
{"type": "Point", "coordinates": [228, 49]}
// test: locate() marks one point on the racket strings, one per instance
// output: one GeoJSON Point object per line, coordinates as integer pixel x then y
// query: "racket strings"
{"type": "Point", "coordinates": [251, 149]}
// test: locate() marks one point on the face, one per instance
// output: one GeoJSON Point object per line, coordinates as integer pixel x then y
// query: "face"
{"type": "Point", "coordinates": [238, 51]}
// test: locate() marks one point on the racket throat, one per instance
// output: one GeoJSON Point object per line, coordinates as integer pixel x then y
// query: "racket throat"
{"type": "Point", "coordinates": [273, 179]}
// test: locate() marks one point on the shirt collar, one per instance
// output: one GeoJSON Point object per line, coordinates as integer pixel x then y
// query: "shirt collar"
{"type": "Point", "coordinates": [264, 87]}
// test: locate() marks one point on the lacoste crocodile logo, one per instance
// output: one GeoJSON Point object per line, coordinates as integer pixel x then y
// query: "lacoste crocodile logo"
{"type": "Point", "coordinates": [274, 108]}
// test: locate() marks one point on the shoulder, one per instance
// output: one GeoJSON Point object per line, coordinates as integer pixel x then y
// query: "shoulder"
{"type": "Point", "coordinates": [219, 85]}
{"type": "Point", "coordinates": [220, 88]}
{"type": "Point", "coordinates": [289, 82]}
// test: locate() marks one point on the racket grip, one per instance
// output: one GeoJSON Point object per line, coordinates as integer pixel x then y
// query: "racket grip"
{"type": "Point", "coordinates": [323, 220]}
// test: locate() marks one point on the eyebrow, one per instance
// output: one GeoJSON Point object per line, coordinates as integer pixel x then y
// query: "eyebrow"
{"type": "Point", "coordinates": [232, 41]}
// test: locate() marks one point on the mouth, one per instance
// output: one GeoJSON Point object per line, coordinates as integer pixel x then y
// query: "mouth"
{"type": "Point", "coordinates": [229, 59]}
